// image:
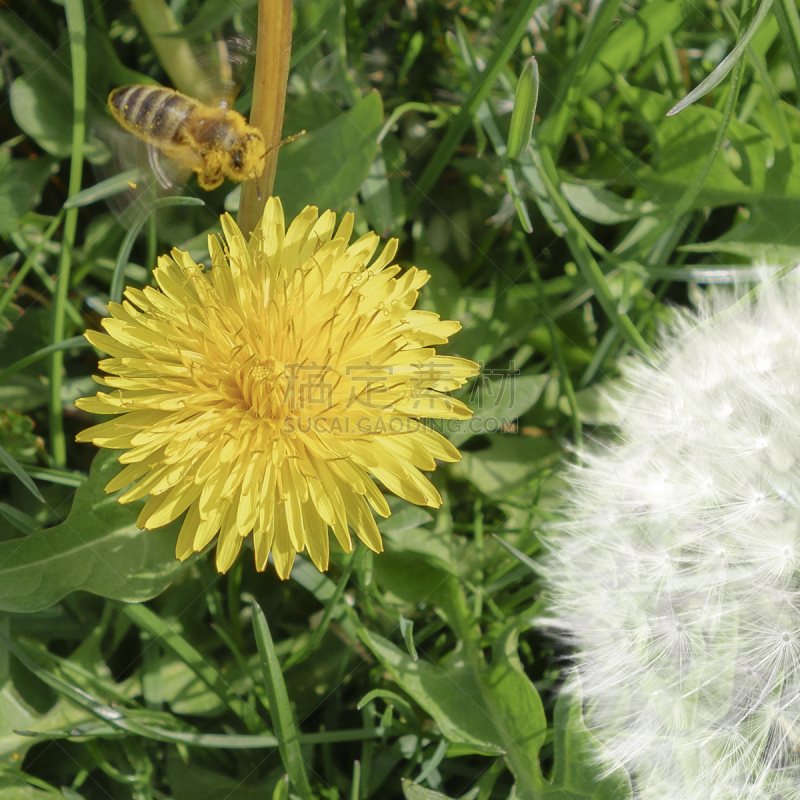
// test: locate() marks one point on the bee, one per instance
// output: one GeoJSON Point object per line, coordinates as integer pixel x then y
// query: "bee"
{"type": "Point", "coordinates": [214, 142]}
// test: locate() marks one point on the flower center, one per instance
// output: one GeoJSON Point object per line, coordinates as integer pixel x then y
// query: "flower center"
{"type": "Point", "coordinates": [264, 386]}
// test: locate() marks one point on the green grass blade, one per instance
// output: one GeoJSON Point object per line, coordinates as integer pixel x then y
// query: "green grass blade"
{"type": "Point", "coordinates": [509, 39]}
{"type": "Point", "coordinates": [117, 281]}
{"type": "Point", "coordinates": [330, 608]}
{"type": "Point", "coordinates": [789, 24]}
{"type": "Point", "coordinates": [107, 188]}
{"type": "Point", "coordinates": [22, 522]}
{"type": "Point", "coordinates": [542, 162]}
{"type": "Point", "coordinates": [727, 63]}
{"type": "Point", "coordinates": [64, 344]}
{"type": "Point", "coordinates": [148, 620]}
{"type": "Point", "coordinates": [15, 469]}
{"type": "Point", "coordinates": [61, 476]}
{"type": "Point", "coordinates": [7, 263]}
{"type": "Point", "coordinates": [526, 560]}
{"type": "Point", "coordinates": [280, 708]}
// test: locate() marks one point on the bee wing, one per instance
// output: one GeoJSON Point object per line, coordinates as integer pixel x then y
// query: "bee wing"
{"type": "Point", "coordinates": [227, 65]}
{"type": "Point", "coordinates": [153, 174]}
{"type": "Point", "coordinates": [165, 170]}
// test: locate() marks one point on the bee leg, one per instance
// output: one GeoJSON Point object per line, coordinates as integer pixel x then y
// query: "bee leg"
{"type": "Point", "coordinates": [209, 180]}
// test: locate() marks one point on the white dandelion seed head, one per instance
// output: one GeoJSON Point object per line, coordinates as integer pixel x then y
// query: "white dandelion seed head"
{"type": "Point", "coordinates": [675, 575]}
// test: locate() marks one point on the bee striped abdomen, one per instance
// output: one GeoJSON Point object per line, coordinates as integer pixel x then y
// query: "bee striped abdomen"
{"type": "Point", "coordinates": [152, 112]}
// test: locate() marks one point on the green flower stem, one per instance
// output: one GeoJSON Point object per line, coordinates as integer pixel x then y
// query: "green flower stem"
{"type": "Point", "coordinates": [76, 25]}
{"type": "Point", "coordinates": [273, 58]}
{"type": "Point", "coordinates": [174, 53]}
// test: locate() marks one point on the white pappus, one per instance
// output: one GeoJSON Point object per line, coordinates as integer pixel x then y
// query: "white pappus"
{"type": "Point", "coordinates": [675, 576]}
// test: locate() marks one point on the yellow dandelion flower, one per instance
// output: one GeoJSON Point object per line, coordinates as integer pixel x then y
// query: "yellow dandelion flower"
{"type": "Point", "coordinates": [265, 394]}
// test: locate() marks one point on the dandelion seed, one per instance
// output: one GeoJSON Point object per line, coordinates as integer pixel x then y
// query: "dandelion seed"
{"type": "Point", "coordinates": [263, 396]}
{"type": "Point", "coordinates": [676, 575]}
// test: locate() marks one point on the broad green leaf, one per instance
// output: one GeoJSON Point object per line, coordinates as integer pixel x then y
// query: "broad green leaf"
{"type": "Point", "coordinates": [404, 533]}
{"type": "Point", "coordinates": [413, 791]}
{"type": "Point", "coordinates": [97, 549]}
{"type": "Point", "coordinates": [496, 403]}
{"type": "Point", "coordinates": [50, 69]}
{"type": "Point", "coordinates": [404, 517]}
{"type": "Point", "coordinates": [576, 774]}
{"type": "Point", "coordinates": [600, 205]}
{"type": "Point", "coordinates": [15, 715]}
{"type": "Point", "coordinates": [21, 183]}
{"type": "Point", "coordinates": [193, 781]}
{"type": "Point", "coordinates": [377, 197]}
{"type": "Point", "coordinates": [769, 235]}
{"type": "Point", "coordinates": [594, 406]}
{"type": "Point", "coordinates": [19, 473]}
{"type": "Point", "coordinates": [41, 113]}
{"type": "Point", "coordinates": [24, 791]}
{"type": "Point", "coordinates": [449, 692]}
{"type": "Point", "coordinates": [635, 38]}
{"type": "Point", "coordinates": [413, 577]}
{"type": "Point", "coordinates": [748, 170]}
{"type": "Point", "coordinates": [517, 710]}
{"type": "Point", "coordinates": [329, 165]}
{"type": "Point", "coordinates": [507, 463]}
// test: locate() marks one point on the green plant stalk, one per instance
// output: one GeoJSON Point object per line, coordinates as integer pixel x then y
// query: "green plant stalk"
{"type": "Point", "coordinates": [174, 53]}
{"type": "Point", "coordinates": [273, 59]}
{"type": "Point", "coordinates": [76, 25]}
